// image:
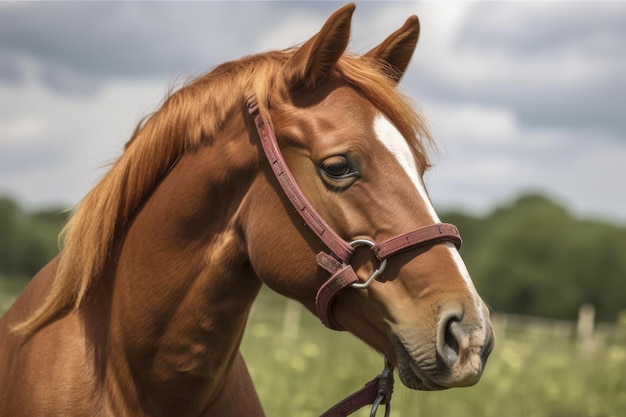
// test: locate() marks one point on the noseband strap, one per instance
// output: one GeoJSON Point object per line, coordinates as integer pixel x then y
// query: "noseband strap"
{"type": "Point", "coordinates": [337, 261]}
{"type": "Point", "coordinates": [428, 235]}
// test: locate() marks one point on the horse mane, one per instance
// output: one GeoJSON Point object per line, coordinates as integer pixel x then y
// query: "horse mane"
{"type": "Point", "coordinates": [188, 119]}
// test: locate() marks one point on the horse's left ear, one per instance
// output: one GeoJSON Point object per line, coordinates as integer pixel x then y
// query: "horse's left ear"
{"type": "Point", "coordinates": [313, 61]}
{"type": "Point", "coordinates": [398, 48]}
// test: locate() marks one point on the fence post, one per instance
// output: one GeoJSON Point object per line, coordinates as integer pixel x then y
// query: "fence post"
{"type": "Point", "coordinates": [291, 320]}
{"type": "Point", "coordinates": [585, 328]}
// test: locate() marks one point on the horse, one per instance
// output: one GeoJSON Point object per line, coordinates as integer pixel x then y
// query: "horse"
{"type": "Point", "coordinates": [299, 169]}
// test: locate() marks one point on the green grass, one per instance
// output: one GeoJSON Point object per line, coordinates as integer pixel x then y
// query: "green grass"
{"type": "Point", "coordinates": [528, 374]}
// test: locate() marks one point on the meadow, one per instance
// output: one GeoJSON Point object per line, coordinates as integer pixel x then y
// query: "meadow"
{"type": "Point", "coordinates": [300, 369]}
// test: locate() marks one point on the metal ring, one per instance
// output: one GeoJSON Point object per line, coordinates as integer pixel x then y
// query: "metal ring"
{"type": "Point", "coordinates": [376, 273]}
{"type": "Point", "coordinates": [377, 402]}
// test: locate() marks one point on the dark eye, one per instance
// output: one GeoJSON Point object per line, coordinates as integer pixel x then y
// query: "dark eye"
{"type": "Point", "coordinates": [338, 167]}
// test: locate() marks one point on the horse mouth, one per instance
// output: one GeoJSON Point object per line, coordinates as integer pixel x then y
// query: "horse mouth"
{"type": "Point", "coordinates": [411, 374]}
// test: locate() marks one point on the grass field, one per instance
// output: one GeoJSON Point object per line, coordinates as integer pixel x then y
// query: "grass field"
{"type": "Point", "coordinates": [528, 374]}
{"type": "Point", "coordinates": [302, 369]}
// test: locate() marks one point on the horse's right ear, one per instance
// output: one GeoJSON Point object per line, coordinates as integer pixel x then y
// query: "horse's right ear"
{"type": "Point", "coordinates": [398, 48]}
{"type": "Point", "coordinates": [315, 59]}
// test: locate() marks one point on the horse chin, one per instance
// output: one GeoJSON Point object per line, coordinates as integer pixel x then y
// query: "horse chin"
{"type": "Point", "coordinates": [410, 372]}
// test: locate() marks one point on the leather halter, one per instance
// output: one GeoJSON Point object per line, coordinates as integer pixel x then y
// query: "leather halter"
{"type": "Point", "coordinates": [337, 261]}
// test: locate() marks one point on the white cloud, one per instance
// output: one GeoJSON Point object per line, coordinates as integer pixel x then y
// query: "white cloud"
{"type": "Point", "coordinates": [472, 124]}
{"type": "Point", "coordinates": [53, 147]}
{"type": "Point", "coordinates": [488, 157]}
{"type": "Point", "coordinates": [20, 130]}
{"type": "Point", "coordinates": [519, 96]}
{"type": "Point", "coordinates": [553, 64]}
{"type": "Point", "coordinates": [297, 28]}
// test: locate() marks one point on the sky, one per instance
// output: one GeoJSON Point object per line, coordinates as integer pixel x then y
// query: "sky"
{"type": "Point", "coordinates": [520, 96]}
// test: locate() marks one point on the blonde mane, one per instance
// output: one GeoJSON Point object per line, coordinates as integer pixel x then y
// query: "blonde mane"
{"type": "Point", "coordinates": [189, 118]}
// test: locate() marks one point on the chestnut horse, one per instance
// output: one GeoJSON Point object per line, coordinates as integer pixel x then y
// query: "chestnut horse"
{"type": "Point", "coordinates": [143, 311]}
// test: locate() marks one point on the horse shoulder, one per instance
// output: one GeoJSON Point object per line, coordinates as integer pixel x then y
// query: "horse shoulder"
{"type": "Point", "coordinates": [238, 396]}
{"type": "Point", "coordinates": [47, 367]}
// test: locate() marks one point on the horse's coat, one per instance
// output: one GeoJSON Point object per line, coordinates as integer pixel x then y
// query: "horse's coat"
{"type": "Point", "coordinates": [143, 311]}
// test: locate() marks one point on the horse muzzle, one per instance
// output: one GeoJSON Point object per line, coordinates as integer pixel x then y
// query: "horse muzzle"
{"type": "Point", "coordinates": [457, 358]}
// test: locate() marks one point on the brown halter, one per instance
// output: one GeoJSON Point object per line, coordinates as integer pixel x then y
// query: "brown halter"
{"type": "Point", "coordinates": [337, 261]}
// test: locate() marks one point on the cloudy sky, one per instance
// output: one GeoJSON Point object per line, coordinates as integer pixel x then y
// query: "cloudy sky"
{"type": "Point", "coordinates": [520, 96]}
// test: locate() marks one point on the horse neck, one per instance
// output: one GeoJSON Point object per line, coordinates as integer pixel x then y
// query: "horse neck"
{"type": "Point", "coordinates": [182, 287]}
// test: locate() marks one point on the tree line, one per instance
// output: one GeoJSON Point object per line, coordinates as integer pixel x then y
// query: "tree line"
{"type": "Point", "coordinates": [28, 240]}
{"type": "Point", "coordinates": [533, 257]}
{"type": "Point", "coordinates": [530, 257]}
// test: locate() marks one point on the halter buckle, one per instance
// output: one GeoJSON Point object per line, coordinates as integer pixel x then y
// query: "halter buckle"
{"type": "Point", "coordinates": [376, 273]}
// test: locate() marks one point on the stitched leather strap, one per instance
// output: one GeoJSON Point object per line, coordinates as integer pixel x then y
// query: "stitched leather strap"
{"type": "Point", "coordinates": [354, 402]}
{"type": "Point", "coordinates": [428, 235]}
{"type": "Point", "coordinates": [342, 276]}
{"type": "Point", "coordinates": [377, 391]}
{"type": "Point", "coordinates": [312, 219]}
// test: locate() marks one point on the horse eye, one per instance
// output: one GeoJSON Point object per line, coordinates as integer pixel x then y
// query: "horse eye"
{"type": "Point", "coordinates": [337, 167]}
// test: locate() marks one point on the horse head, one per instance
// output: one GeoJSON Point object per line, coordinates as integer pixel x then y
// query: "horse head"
{"type": "Point", "coordinates": [356, 151]}
{"type": "Point", "coordinates": [301, 169]}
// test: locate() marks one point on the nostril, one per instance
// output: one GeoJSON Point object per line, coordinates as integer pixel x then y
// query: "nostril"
{"type": "Point", "coordinates": [462, 343]}
{"type": "Point", "coordinates": [450, 339]}
{"type": "Point", "coordinates": [450, 346]}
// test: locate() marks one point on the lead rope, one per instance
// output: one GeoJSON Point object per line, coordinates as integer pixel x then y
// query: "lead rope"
{"type": "Point", "coordinates": [376, 392]}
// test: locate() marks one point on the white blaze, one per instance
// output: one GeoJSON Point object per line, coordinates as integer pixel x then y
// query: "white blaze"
{"type": "Point", "coordinates": [393, 140]}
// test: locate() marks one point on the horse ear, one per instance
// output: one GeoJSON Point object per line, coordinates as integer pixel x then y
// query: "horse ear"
{"type": "Point", "coordinates": [313, 61]}
{"type": "Point", "coordinates": [398, 48]}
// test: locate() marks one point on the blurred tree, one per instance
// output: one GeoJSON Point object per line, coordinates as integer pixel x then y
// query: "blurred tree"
{"type": "Point", "coordinates": [533, 258]}
{"type": "Point", "coordinates": [10, 217]}
{"type": "Point", "coordinates": [27, 240]}
{"type": "Point", "coordinates": [530, 257]}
